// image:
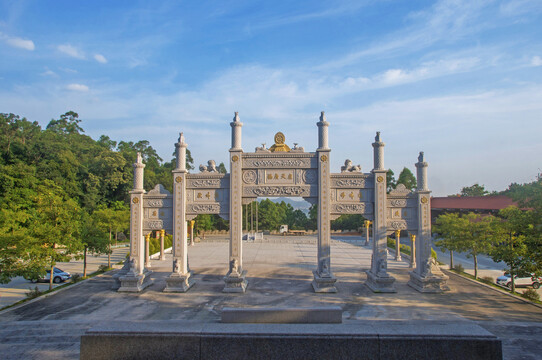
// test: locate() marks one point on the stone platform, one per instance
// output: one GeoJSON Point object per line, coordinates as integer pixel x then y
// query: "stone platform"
{"type": "Point", "coordinates": [280, 276]}
{"type": "Point", "coordinates": [371, 340]}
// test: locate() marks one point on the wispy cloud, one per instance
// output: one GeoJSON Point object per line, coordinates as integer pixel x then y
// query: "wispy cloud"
{"type": "Point", "coordinates": [331, 11]}
{"type": "Point", "coordinates": [77, 87]}
{"type": "Point", "coordinates": [71, 51]}
{"type": "Point", "coordinates": [48, 72]}
{"type": "Point", "coordinates": [536, 61]}
{"type": "Point", "coordinates": [100, 58]}
{"type": "Point", "coordinates": [18, 42]}
{"type": "Point", "coordinates": [446, 20]}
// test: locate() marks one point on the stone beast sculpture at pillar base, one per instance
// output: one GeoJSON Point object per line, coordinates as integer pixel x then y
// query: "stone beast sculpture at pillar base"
{"type": "Point", "coordinates": [235, 280]}
{"type": "Point", "coordinates": [432, 279]}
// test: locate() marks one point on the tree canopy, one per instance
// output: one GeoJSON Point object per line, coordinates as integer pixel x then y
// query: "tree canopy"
{"type": "Point", "coordinates": [54, 182]}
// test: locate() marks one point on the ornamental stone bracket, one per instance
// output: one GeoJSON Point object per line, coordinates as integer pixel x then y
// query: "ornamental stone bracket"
{"type": "Point", "coordinates": [207, 193]}
{"type": "Point", "coordinates": [158, 210]}
{"type": "Point", "coordinates": [352, 193]}
{"type": "Point", "coordinates": [401, 210]}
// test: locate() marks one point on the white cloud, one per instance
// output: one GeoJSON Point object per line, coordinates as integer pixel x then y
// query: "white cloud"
{"type": "Point", "coordinates": [100, 58]}
{"type": "Point", "coordinates": [71, 51]}
{"type": "Point", "coordinates": [536, 61]}
{"type": "Point", "coordinates": [18, 42]}
{"type": "Point", "coordinates": [77, 87]}
{"type": "Point", "coordinates": [48, 72]}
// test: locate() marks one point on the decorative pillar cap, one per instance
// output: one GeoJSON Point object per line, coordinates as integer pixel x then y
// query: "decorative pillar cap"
{"type": "Point", "coordinates": [236, 120]}
{"type": "Point", "coordinates": [323, 120]}
{"type": "Point", "coordinates": [421, 160]}
{"type": "Point", "coordinates": [139, 161]}
{"type": "Point", "coordinates": [378, 140]}
{"type": "Point", "coordinates": [180, 141]}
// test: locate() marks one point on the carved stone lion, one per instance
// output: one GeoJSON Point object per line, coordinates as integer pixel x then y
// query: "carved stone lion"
{"type": "Point", "coordinates": [234, 267]}
{"type": "Point", "coordinates": [211, 167]}
{"type": "Point", "coordinates": [348, 167]}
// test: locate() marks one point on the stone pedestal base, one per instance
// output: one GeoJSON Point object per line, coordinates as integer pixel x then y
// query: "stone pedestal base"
{"type": "Point", "coordinates": [380, 284]}
{"type": "Point", "coordinates": [135, 283]}
{"type": "Point", "coordinates": [324, 284]}
{"type": "Point", "coordinates": [428, 284]}
{"type": "Point", "coordinates": [122, 272]}
{"type": "Point", "coordinates": [235, 283]}
{"type": "Point", "coordinates": [179, 282]}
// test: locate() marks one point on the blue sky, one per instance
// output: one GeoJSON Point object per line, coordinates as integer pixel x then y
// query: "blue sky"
{"type": "Point", "coordinates": [459, 80]}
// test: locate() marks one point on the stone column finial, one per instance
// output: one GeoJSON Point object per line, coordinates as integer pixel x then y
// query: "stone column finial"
{"type": "Point", "coordinates": [138, 172]}
{"type": "Point", "coordinates": [323, 138]}
{"type": "Point", "coordinates": [236, 126]}
{"type": "Point", "coordinates": [180, 153]}
{"type": "Point", "coordinates": [421, 167]}
{"type": "Point", "coordinates": [378, 146]}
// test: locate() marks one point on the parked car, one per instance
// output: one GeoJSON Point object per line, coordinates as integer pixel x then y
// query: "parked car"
{"type": "Point", "coordinates": [58, 277]}
{"type": "Point", "coordinates": [522, 280]}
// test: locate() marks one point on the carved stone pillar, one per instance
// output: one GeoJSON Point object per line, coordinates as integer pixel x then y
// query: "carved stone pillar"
{"type": "Point", "coordinates": [324, 280]}
{"type": "Point", "coordinates": [147, 250]}
{"type": "Point", "coordinates": [162, 253]}
{"type": "Point", "coordinates": [135, 277]}
{"type": "Point", "coordinates": [413, 251]}
{"type": "Point", "coordinates": [427, 276]}
{"type": "Point", "coordinates": [192, 232]}
{"type": "Point", "coordinates": [397, 245]}
{"type": "Point", "coordinates": [378, 279]}
{"type": "Point", "coordinates": [181, 278]}
{"type": "Point", "coordinates": [367, 225]}
{"type": "Point", "coordinates": [235, 280]}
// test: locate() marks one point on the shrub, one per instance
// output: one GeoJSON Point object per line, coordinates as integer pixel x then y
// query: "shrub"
{"type": "Point", "coordinates": [103, 268]}
{"type": "Point", "coordinates": [405, 249]}
{"type": "Point", "coordinates": [459, 268]}
{"type": "Point", "coordinates": [531, 294]}
{"type": "Point", "coordinates": [391, 243]}
{"type": "Point", "coordinates": [433, 254]}
{"type": "Point", "coordinates": [33, 293]}
{"type": "Point", "coordinates": [76, 278]}
{"type": "Point", "coordinates": [487, 279]}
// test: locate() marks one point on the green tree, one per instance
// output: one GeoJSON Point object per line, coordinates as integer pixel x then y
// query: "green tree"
{"type": "Point", "coordinates": [511, 235]}
{"type": "Point", "coordinates": [93, 237]}
{"type": "Point", "coordinates": [54, 229]}
{"type": "Point", "coordinates": [222, 168]}
{"type": "Point", "coordinates": [474, 190]}
{"type": "Point", "coordinates": [407, 178]}
{"type": "Point", "coordinates": [390, 180]}
{"type": "Point", "coordinates": [448, 227]}
{"type": "Point", "coordinates": [112, 219]}
{"type": "Point", "coordinates": [471, 233]}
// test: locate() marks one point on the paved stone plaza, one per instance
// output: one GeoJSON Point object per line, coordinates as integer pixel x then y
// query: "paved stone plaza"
{"type": "Point", "coordinates": [279, 275]}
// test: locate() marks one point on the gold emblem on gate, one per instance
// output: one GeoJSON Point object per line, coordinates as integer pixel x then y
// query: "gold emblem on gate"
{"type": "Point", "coordinates": [178, 179]}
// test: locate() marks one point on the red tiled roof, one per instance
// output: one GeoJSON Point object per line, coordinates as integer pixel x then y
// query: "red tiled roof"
{"type": "Point", "coordinates": [495, 202]}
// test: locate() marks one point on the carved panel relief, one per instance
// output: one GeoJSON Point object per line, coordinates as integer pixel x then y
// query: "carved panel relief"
{"type": "Point", "coordinates": [282, 177]}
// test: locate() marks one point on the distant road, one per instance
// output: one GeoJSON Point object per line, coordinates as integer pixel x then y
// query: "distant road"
{"type": "Point", "coordinates": [17, 288]}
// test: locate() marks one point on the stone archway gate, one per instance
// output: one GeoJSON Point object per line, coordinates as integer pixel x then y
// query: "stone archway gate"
{"type": "Point", "coordinates": [281, 171]}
